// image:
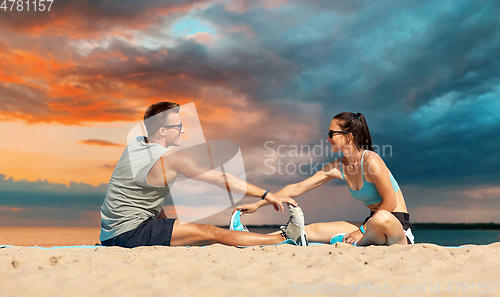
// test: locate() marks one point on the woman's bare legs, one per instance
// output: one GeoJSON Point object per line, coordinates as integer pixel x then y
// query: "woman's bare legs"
{"type": "Point", "coordinates": [323, 232]}
{"type": "Point", "coordinates": [383, 228]}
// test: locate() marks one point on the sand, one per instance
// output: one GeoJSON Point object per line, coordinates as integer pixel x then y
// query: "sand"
{"type": "Point", "coordinates": [219, 270]}
{"type": "Point", "coordinates": [49, 236]}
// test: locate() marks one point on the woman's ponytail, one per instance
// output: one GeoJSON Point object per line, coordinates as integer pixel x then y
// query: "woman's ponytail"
{"type": "Point", "coordinates": [356, 124]}
{"type": "Point", "coordinates": [365, 139]}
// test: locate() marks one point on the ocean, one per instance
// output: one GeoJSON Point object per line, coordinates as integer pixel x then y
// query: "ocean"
{"type": "Point", "coordinates": [456, 237]}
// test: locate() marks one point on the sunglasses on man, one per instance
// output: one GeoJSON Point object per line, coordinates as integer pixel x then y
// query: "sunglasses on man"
{"type": "Point", "coordinates": [178, 127]}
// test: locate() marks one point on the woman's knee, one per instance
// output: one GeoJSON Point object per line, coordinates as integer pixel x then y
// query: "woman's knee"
{"type": "Point", "coordinates": [381, 219]}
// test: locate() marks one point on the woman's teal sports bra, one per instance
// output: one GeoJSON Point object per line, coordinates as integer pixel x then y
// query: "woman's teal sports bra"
{"type": "Point", "coordinates": [368, 193]}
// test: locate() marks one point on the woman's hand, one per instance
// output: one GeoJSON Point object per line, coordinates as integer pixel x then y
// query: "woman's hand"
{"type": "Point", "coordinates": [247, 208]}
{"type": "Point", "coordinates": [277, 201]}
{"type": "Point", "coordinates": [353, 237]}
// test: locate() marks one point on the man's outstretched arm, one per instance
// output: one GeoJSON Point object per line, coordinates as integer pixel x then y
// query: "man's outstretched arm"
{"type": "Point", "coordinates": [186, 165]}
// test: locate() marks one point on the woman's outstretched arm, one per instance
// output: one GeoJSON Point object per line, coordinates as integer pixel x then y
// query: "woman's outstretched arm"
{"type": "Point", "coordinates": [325, 174]}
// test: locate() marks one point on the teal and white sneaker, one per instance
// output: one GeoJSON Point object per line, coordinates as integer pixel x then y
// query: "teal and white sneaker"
{"type": "Point", "coordinates": [235, 223]}
{"type": "Point", "coordinates": [295, 228]}
{"type": "Point", "coordinates": [339, 238]}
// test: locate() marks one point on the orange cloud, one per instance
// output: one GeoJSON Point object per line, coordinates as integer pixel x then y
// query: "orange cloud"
{"type": "Point", "coordinates": [31, 65]}
{"type": "Point", "coordinates": [99, 142]}
{"type": "Point", "coordinates": [29, 69]}
{"type": "Point", "coordinates": [66, 90]}
{"type": "Point", "coordinates": [46, 89]}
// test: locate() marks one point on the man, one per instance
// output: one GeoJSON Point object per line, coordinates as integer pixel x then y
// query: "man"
{"type": "Point", "coordinates": [132, 213]}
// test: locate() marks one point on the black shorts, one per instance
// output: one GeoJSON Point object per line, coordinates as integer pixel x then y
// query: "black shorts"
{"type": "Point", "coordinates": [404, 219]}
{"type": "Point", "coordinates": [150, 232]}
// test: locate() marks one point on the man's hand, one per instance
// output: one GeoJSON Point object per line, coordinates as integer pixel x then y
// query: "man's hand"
{"type": "Point", "coordinates": [277, 201]}
{"type": "Point", "coordinates": [353, 237]}
{"type": "Point", "coordinates": [247, 208]}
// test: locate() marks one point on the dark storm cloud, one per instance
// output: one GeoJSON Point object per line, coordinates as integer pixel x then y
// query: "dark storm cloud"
{"type": "Point", "coordinates": [413, 68]}
{"type": "Point", "coordinates": [44, 194]}
{"type": "Point", "coordinates": [50, 195]}
{"type": "Point", "coordinates": [185, 70]}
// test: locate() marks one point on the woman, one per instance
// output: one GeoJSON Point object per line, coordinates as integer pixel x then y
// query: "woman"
{"type": "Point", "coordinates": [368, 179]}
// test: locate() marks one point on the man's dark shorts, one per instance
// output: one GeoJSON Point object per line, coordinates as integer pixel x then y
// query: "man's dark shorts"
{"type": "Point", "coordinates": [150, 232]}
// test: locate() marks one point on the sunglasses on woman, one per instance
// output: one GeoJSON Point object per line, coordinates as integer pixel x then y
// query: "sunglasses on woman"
{"type": "Point", "coordinates": [331, 132]}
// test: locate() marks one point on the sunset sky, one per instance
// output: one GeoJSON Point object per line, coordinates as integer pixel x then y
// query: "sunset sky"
{"type": "Point", "coordinates": [426, 75]}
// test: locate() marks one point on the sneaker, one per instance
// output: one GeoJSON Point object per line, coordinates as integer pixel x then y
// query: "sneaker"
{"type": "Point", "coordinates": [235, 223]}
{"type": "Point", "coordinates": [339, 238]}
{"type": "Point", "coordinates": [295, 228]}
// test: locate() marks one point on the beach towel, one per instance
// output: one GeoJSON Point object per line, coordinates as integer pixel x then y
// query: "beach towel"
{"type": "Point", "coordinates": [288, 241]}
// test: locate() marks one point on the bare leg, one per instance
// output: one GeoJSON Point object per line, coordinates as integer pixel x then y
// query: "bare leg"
{"type": "Point", "coordinates": [383, 229]}
{"type": "Point", "coordinates": [323, 232]}
{"type": "Point", "coordinates": [196, 234]}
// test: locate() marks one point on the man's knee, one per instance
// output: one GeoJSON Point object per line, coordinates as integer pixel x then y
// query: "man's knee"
{"type": "Point", "coordinates": [208, 232]}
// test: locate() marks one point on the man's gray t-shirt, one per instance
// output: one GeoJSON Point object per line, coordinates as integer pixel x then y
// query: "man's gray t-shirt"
{"type": "Point", "coordinates": [130, 200]}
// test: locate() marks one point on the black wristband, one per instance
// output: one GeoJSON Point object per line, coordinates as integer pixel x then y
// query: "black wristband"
{"type": "Point", "coordinates": [265, 194]}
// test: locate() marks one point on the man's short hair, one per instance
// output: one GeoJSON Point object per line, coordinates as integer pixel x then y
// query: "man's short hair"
{"type": "Point", "coordinates": [153, 122]}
